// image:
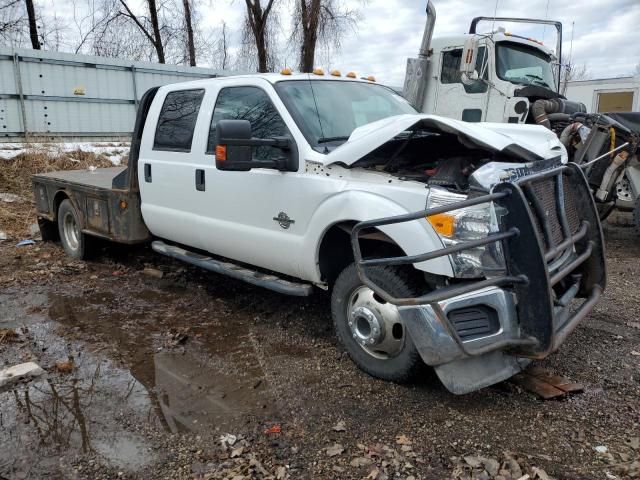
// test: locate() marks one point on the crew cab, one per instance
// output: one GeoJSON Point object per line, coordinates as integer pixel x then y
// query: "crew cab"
{"type": "Point", "coordinates": [458, 245]}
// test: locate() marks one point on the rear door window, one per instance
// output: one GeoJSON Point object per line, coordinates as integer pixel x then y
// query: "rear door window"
{"type": "Point", "coordinates": [177, 120]}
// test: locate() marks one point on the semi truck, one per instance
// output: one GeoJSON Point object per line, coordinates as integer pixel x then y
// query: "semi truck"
{"type": "Point", "coordinates": [472, 248]}
{"type": "Point", "coordinates": [500, 76]}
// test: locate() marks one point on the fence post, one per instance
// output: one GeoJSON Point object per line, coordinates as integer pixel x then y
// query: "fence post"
{"type": "Point", "coordinates": [135, 87]}
{"type": "Point", "coordinates": [18, 79]}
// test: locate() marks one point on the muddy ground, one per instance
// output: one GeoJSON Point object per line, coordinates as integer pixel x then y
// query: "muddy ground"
{"type": "Point", "coordinates": [194, 375]}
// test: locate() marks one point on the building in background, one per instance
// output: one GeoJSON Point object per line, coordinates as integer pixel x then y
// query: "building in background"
{"type": "Point", "coordinates": [607, 94]}
{"type": "Point", "coordinates": [51, 96]}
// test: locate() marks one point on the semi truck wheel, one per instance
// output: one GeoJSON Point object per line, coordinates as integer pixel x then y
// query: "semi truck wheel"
{"type": "Point", "coordinates": [370, 329]}
{"type": "Point", "coordinates": [74, 242]}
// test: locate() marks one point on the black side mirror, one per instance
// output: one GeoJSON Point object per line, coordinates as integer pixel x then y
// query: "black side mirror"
{"type": "Point", "coordinates": [230, 155]}
{"type": "Point", "coordinates": [234, 151]}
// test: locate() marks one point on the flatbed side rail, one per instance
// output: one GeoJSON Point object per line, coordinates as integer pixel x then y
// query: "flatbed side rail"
{"type": "Point", "coordinates": [551, 257]}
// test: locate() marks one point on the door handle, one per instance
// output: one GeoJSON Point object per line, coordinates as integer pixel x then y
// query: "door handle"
{"type": "Point", "coordinates": [200, 180]}
{"type": "Point", "coordinates": [147, 172]}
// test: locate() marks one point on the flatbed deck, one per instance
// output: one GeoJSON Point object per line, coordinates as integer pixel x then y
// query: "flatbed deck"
{"type": "Point", "coordinates": [104, 211]}
{"type": "Point", "coordinates": [100, 178]}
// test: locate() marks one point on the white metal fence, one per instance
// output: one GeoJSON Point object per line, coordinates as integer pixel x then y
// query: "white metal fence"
{"type": "Point", "coordinates": [51, 96]}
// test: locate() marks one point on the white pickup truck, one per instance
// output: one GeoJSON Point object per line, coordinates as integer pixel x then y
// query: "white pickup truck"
{"type": "Point", "coordinates": [459, 245]}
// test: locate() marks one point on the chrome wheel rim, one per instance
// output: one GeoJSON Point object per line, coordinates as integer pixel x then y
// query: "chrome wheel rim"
{"type": "Point", "coordinates": [375, 325]}
{"type": "Point", "coordinates": [71, 231]}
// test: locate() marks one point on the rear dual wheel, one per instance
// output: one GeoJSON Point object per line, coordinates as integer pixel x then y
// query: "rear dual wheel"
{"type": "Point", "coordinates": [75, 243]}
{"type": "Point", "coordinates": [370, 329]}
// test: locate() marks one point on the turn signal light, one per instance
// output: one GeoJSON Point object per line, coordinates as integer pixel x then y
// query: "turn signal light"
{"type": "Point", "coordinates": [285, 71]}
{"type": "Point", "coordinates": [443, 223]}
{"type": "Point", "coordinates": [351, 75]}
{"type": "Point", "coordinates": [335, 73]}
{"type": "Point", "coordinates": [318, 71]}
{"type": "Point", "coordinates": [221, 153]}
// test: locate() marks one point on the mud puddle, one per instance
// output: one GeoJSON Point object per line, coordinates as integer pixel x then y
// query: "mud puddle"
{"type": "Point", "coordinates": [136, 367]}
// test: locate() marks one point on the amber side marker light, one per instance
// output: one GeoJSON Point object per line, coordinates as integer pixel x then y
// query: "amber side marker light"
{"type": "Point", "coordinates": [443, 224]}
{"type": "Point", "coordinates": [221, 153]}
{"type": "Point", "coordinates": [123, 204]}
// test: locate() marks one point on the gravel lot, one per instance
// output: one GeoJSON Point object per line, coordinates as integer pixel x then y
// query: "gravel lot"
{"type": "Point", "coordinates": [194, 375]}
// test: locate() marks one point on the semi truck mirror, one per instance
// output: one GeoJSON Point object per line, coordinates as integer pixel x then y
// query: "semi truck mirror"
{"type": "Point", "coordinates": [468, 60]}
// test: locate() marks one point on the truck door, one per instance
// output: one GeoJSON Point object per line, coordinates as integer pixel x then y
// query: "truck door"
{"type": "Point", "coordinates": [165, 166]}
{"type": "Point", "coordinates": [455, 99]}
{"type": "Point", "coordinates": [250, 216]}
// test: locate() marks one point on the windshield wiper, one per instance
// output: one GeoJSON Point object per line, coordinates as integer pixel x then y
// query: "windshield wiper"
{"type": "Point", "coordinates": [332, 139]}
{"type": "Point", "coordinates": [539, 79]}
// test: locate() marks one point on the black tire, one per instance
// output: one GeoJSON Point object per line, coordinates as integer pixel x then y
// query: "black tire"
{"type": "Point", "coordinates": [76, 244]}
{"type": "Point", "coordinates": [406, 364]}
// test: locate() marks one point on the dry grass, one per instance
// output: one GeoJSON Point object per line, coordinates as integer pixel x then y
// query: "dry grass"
{"type": "Point", "coordinates": [15, 177]}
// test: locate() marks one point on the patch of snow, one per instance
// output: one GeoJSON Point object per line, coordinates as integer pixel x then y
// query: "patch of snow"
{"type": "Point", "coordinates": [114, 151]}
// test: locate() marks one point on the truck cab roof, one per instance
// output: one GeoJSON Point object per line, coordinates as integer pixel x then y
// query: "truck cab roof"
{"type": "Point", "coordinates": [452, 41]}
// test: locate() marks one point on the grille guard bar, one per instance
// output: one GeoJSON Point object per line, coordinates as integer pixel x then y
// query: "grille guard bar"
{"type": "Point", "coordinates": [543, 274]}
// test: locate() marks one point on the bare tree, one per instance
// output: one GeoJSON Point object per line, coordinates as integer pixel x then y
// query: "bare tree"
{"type": "Point", "coordinates": [11, 21]}
{"type": "Point", "coordinates": [190, 44]}
{"type": "Point", "coordinates": [220, 56]}
{"type": "Point", "coordinates": [257, 20]}
{"type": "Point", "coordinates": [320, 21]}
{"type": "Point", "coordinates": [150, 28]}
{"type": "Point", "coordinates": [573, 72]}
{"type": "Point", "coordinates": [33, 28]}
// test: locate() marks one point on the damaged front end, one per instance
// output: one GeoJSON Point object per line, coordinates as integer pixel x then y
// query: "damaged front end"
{"type": "Point", "coordinates": [481, 331]}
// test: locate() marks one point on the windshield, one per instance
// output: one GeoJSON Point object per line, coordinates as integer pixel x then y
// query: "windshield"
{"type": "Point", "coordinates": [328, 111]}
{"type": "Point", "coordinates": [524, 65]}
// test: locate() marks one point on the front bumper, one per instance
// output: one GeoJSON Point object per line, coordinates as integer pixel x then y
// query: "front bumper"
{"type": "Point", "coordinates": [554, 254]}
{"type": "Point", "coordinates": [465, 361]}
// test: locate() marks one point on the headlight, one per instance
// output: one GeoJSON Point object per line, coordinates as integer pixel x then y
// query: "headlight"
{"type": "Point", "coordinates": [464, 224]}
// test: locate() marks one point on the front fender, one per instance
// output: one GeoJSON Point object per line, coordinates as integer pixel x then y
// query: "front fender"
{"type": "Point", "coordinates": [412, 237]}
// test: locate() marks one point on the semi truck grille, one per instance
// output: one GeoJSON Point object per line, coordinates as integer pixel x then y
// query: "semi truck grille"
{"type": "Point", "coordinates": [544, 201]}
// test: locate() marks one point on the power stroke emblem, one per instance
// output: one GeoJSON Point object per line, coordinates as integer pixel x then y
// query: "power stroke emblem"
{"type": "Point", "coordinates": [283, 220]}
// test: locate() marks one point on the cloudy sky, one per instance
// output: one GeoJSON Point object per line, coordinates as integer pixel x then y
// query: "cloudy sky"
{"type": "Point", "coordinates": [606, 34]}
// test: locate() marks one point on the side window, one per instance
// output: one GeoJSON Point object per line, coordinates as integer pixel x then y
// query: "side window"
{"type": "Point", "coordinates": [253, 104]}
{"type": "Point", "coordinates": [177, 120]}
{"type": "Point", "coordinates": [451, 69]}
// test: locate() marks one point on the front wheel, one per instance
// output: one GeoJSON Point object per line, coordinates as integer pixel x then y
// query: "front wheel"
{"type": "Point", "coordinates": [370, 329]}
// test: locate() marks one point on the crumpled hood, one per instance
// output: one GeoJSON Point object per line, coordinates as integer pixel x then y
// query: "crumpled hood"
{"type": "Point", "coordinates": [531, 142]}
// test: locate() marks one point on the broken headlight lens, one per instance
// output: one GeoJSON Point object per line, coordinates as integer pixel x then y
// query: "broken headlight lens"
{"type": "Point", "coordinates": [472, 223]}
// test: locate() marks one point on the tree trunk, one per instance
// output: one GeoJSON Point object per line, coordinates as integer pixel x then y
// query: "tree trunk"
{"type": "Point", "coordinates": [310, 13]}
{"type": "Point", "coordinates": [258, 22]}
{"type": "Point", "coordinates": [190, 44]}
{"type": "Point", "coordinates": [33, 28]}
{"type": "Point", "coordinates": [153, 14]}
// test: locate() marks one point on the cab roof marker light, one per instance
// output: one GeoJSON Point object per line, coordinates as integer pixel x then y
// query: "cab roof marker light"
{"type": "Point", "coordinates": [335, 73]}
{"type": "Point", "coordinates": [285, 71]}
{"type": "Point", "coordinates": [371, 78]}
{"type": "Point", "coordinates": [351, 75]}
{"type": "Point", "coordinates": [318, 71]}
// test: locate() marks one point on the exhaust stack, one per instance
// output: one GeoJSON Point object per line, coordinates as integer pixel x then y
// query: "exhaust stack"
{"type": "Point", "coordinates": [415, 81]}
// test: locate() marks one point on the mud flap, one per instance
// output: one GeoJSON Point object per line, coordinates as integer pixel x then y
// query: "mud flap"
{"type": "Point", "coordinates": [473, 373]}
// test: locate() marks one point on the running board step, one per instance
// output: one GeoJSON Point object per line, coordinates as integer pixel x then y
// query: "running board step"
{"type": "Point", "coordinates": [272, 282]}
